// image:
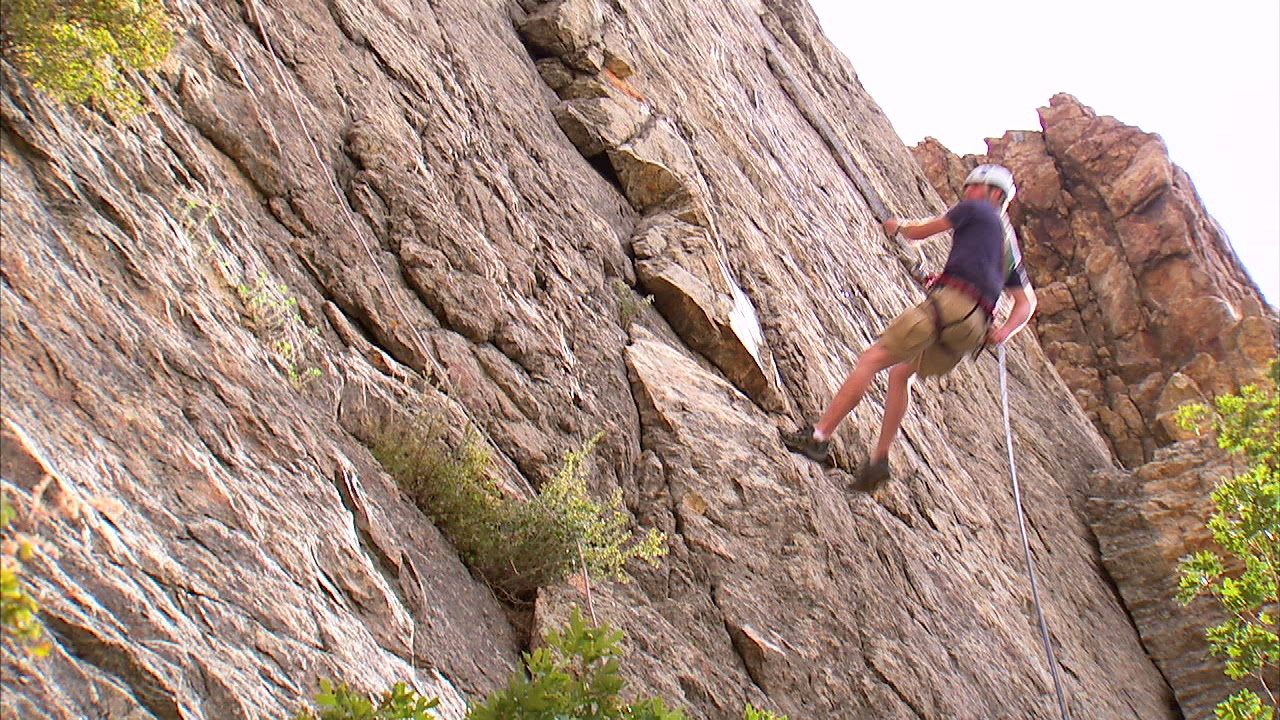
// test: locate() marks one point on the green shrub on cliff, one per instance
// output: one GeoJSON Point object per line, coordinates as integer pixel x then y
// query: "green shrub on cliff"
{"type": "Point", "coordinates": [751, 712]}
{"type": "Point", "coordinates": [515, 547]}
{"type": "Point", "coordinates": [80, 49]}
{"type": "Point", "coordinates": [630, 303]}
{"type": "Point", "coordinates": [272, 315]}
{"type": "Point", "coordinates": [1246, 524]}
{"type": "Point", "coordinates": [339, 702]}
{"type": "Point", "coordinates": [574, 674]}
{"type": "Point", "coordinates": [17, 607]}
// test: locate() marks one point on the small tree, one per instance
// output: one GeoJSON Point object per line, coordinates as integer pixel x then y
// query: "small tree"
{"type": "Point", "coordinates": [1246, 524]}
{"type": "Point", "coordinates": [78, 49]}
{"type": "Point", "coordinates": [574, 676]}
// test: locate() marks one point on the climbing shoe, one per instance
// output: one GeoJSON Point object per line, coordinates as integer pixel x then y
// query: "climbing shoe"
{"type": "Point", "coordinates": [872, 475]}
{"type": "Point", "coordinates": [803, 443]}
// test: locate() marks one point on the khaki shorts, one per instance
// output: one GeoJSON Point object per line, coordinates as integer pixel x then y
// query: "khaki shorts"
{"type": "Point", "coordinates": [912, 336]}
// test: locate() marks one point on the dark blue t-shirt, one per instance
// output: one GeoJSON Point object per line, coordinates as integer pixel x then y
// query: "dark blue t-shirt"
{"type": "Point", "coordinates": [978, 252]}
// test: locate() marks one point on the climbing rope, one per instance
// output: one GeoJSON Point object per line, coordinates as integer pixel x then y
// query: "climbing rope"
{"type": "Point", "coordinates": [1026, 545]}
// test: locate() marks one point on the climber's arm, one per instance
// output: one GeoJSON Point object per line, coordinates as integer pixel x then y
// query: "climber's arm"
{"type": "Point", "coordinates": [1024, 305]}
{"type": "Point", "coordinates": [917, 229]}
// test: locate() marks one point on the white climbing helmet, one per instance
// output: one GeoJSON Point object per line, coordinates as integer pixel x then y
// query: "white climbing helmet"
{"type": "Point", "coordinates": [997, 176]}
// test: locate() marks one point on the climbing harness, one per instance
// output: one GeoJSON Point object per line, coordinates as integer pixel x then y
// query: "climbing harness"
{"type": "Point", "coordinates": [940, 326]}
{"type": "Point", "coordinates": [1026, 545]}
{"type": "Point", "coordinates": [944, 280]}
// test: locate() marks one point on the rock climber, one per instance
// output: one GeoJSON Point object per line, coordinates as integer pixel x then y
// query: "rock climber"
{"type": "Point", "coordinates": [955, 318]}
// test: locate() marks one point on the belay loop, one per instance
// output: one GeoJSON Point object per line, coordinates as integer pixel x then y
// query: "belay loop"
{"type": "Point", "coordinates": [1026, 544]}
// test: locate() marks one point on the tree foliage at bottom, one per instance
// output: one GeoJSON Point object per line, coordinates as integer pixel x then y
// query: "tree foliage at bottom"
{"type": "Point", "coordinates": [1246, 524]}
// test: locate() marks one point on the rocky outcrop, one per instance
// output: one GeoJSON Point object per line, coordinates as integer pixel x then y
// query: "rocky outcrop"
{"type": "Point", "coordinates": [339, 215]}
{"type": "Point", "coordinates": [1143, 303]}
{"type": "Point", "coordinates": [1147, 520]}
{"type": "Point", "coordinates": [676, 250]}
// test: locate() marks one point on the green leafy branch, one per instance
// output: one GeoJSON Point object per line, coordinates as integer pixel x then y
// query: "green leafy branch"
{"type": "Point", "coordinates": [274, 317]}
{"type": "Point", "coordinates": [18, 609]}
{"type": "Point", "coordinates": [1246, 525]}
{"type": "Point", "coordinates": [339, 702]}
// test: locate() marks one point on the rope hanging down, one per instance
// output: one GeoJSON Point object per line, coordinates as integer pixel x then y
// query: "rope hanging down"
{"type": "Point", "coordinates": [1026, 545]}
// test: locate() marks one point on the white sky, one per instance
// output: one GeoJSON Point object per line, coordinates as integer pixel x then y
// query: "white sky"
{"type": "Point", "coordinates": [1204, 76]}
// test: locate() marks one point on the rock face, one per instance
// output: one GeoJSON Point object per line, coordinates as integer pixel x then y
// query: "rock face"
{"type": "Point", "coordinates": [339, 215]}
{"type": "Point", "coordinates": [1146, 521]}
{"type": "Point", "coordinates": [1143, 304]}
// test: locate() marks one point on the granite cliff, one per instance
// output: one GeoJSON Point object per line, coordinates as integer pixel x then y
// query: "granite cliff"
{"type": "Point", "coordinates": [335, 215]}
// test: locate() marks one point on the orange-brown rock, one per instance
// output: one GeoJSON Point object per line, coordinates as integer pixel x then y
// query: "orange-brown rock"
{"type": "Point", "coordinates": [1144, 303]}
